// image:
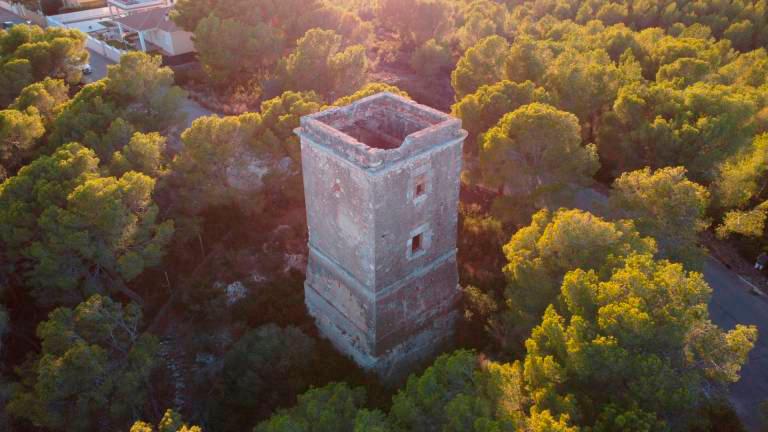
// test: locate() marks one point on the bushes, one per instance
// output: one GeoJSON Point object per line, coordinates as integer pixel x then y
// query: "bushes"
{"type": "Point", "coordinates": [430, 59]}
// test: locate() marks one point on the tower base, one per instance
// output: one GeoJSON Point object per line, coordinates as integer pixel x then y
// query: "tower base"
{"type": "Point", "coordinates": [393, 365]}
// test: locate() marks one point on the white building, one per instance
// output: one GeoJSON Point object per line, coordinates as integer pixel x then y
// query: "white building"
{"type": "Point", "coordinates": [156, 31]}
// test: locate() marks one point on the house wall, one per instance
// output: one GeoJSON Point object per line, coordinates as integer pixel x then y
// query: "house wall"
{"type": "Point", "coordinates": [81, 15]}
{"type": "Point", "coordinates": [159, 38]}
{"type": "Point", "coordinates": [182, 42]}
{"type": "Point", "coordinates": [82, 3]}
{"type": "Point", "coordinates": [178, 42]}
{"type": "Point", "coordinates": [102, 48]}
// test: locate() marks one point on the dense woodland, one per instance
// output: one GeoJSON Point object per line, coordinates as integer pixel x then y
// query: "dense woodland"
{"type": "Point", "coordinates": [150, 275]}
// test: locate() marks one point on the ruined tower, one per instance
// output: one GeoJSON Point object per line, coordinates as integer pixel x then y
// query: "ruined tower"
{"type": "Point", "coordinates": [381, 181]}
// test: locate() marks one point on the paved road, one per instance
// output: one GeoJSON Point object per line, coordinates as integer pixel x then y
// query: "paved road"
{"type": "Point", "coordinates": [194, 110]}
{"type": "Point", "coordinates": [98, 65]}
{"type": "Point", "coordinates": [733, 303]}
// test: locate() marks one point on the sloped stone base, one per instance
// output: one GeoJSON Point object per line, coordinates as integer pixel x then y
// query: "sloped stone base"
{"type": "Point", "coordinates": [397, 362]}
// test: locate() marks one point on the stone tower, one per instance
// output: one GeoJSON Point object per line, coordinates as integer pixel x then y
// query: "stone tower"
{"type": "Point", "coordinates": [381, 181]}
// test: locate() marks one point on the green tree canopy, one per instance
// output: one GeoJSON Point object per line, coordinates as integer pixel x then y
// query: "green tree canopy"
{"type": "Point", "coordinates": [87, 115]}
{"type": "Point", "coordinates": [416, 21]}
{"type": "Point", "coordinates": [667, 206]}
{"type": "Point", "coordinates": [481, 110]}
{"type": "Point", "coordinates": [748, 69]}
{"type": "Point", "coordinates": [479, 19]}
{"type": "Point", "coordinates": [740, 189]}
{"type": "Point", "coordinates": [461, 393]}
{"type": "Point", "coordinates": [482, 64]}
{"type": "Point", "coordinates": [527, 60]}
{"type": "Point", "coordinates": [539, 255]}
{"type": "Point", "coordinates": [645, 331]}
{"type": "Point", "coordinates": [742, 177]}
{"type": "Point", "coordinates": [748, 222]}
{"type": "Point", "coordinates": [742, 24]}
{"type": "Point", "coordinates": [335, 407]}
{"type": "Point", "coordinates": [140, 83]}
{"type": "Point", "coordinates": [69, 233]}
{"type": "Point", "coordinates": [535, 152]}
{"type": "Point", "coordinates": [369, 89]}
{"type": "Point", "coordinates": [583, 83]}
{"type": "Point", "coordinates": [319, 64]}
{"type": "Point", "coordinates": [138, 94]}
{"type": "Point", "coordinates": [143, 153]}
{"type": "Point", "coordinates": [480, 241]}
{"type": "Point", "coordinates": [14, 76]}
{"type": "Point", "coordinates": [92, 371]}
{"type": "Point", "coordinates": [171, 422]}
{"type": "Point", "coordinates": [430, 59]}
{"type": "Point", "coordinates": [20, 132]}
{"type": "Point", "coordinates": [266, 367]}
{"type": "Point", "coordinates": [230, 50]}
{"type": "Point", "coordinates": [29, 53]}
{"type": "Point", "coordinates": [239, 41]}
{"type": "Point", "coordinates": [657, 126]}
{"type": "Point", "coordinates": [289, 20]}
{"type": "Point", "coordinates": [222, 154]}
{"type": "Point", "coordinates": [46, 96]}
{"type": "Point", "coordinates": [646, 98]}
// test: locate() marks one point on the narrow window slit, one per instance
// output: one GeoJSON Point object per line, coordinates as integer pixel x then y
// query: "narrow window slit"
{"type": "Point", "coordinates": [416, 244]}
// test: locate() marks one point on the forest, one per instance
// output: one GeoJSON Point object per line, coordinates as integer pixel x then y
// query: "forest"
{"type": "Point", "coordinates": [151, 274]}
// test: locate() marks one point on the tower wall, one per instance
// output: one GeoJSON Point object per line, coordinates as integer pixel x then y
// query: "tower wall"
{"type": "Point", "coordinates": [397, 213]}
{"type": "Point", "coordinates": [381, 179]}
{"type": "Point", "coordinates": [339, 199]}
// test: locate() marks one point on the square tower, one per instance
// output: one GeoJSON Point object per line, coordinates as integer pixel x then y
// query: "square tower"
{"type": "Point", "coordinates": [381, 185]}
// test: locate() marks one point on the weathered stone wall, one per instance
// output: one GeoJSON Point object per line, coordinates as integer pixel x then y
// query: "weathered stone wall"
{"type": "Point", "coordinates": [409, 308]}
{"type": "Point", "coordinates": [381, 280]}
{"type": "Point", "coordinates": [339, 200]}
{"type": "Point", "coordinates": [398, 213]}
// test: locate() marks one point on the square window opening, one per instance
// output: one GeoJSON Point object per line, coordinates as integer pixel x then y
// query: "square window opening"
{"type": "Point", "coordinates": [420, 189]}
{"type": "Point", "coordinates": [420, 186]}
{"type": "Point", "coordinates": [417, 244]}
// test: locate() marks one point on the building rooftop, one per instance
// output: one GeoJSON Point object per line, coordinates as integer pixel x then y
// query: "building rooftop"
{"type": "Point", "coordinates": [135, 4]}
{"type": "Point", "coordinates": [380, 129]}
{"type": "Point", "coordinates": [148, 20]}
